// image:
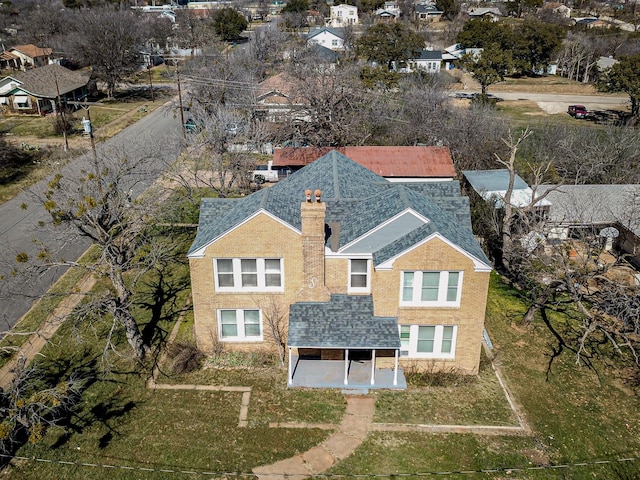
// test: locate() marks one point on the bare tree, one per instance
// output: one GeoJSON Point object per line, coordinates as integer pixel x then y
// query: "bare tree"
{"type": "Point", "coordinates": [192, 32]}
{"type": "Point", "coordinates": [110, 41]}
{"type": "Point", "coordinates": [331, 106]}
{"type": "Point", "coordinates": [222, 153]}
{"type": "Point", "coordinates": [31, 405]}
{"type": "Point", "coordinates": [274, 316]}
{"type": "Point", "coordinates": [96, 203]}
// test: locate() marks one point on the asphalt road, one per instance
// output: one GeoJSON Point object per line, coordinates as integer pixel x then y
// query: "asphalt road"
{"type": "Point", "coordinates": [155, 139]}
{"type": "Point", "coordinates": [558, 103]}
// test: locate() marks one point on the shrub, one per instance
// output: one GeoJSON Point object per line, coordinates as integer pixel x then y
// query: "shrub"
{"type": "Point", "coordinates": [185, 357]}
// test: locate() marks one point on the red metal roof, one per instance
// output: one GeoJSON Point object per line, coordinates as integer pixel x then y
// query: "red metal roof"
{"type": "Point", "coordinates": [390, 162]}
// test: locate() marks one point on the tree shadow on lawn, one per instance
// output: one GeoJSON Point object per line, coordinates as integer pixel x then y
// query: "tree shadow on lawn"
{"type": "Point", "coordinates": [108, 409]}
{"type": "Point", "coordinates": [161, 300]}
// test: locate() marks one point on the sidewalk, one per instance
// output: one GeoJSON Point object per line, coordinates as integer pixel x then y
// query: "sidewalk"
{"type": "Point", "coordinates": [349, 435]}
{"type": "Point", "coordinates": [35, 342]}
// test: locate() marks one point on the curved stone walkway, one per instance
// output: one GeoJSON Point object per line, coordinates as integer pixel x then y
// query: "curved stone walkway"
{"type": "Point", "coordinates": [348, 436]}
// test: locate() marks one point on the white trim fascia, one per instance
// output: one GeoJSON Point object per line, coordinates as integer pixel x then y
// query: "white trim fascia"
{"type": "Point", "coordinates": [199, 253]}
{"type": "Point", "coordinates": [418, 179]}
{"type": "Point", "coordinates": [338, 255]}
{"type": "Point", "coordinates": [478, 265]}
{"type": "Point", "coordinates": [384, 224]}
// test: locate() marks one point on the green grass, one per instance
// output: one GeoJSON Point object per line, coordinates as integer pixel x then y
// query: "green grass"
{"type": "Point", "coordinates": [41, 310]}
{"type": "Point", "coordinates": [476, 401]}
{"type": "Point", "coordinates": [575, 415]}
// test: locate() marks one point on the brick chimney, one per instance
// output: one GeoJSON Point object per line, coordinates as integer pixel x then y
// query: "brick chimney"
{"type": "Point", "coordinates": [313, 240]}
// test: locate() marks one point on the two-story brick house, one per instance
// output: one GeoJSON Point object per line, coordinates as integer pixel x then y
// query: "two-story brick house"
{"type": "Point", "coordinates": [370, 275]}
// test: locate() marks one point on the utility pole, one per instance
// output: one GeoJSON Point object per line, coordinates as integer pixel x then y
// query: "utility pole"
{"type": "Point", "coordinates": [89, 128]}
{"type": "Point", "coordinates": [184, 133]}
{"type": "Point", "coordinates": [61, 114]}
{"type": "Point", "coordinates": [150, 82]}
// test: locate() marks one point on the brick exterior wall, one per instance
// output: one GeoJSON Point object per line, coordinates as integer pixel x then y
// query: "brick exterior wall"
{"type": "Point", "coordinates": [263, 236]}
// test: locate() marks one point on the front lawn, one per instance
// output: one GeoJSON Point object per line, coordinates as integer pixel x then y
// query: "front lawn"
{"type": "Point", "coordinates": [576, 416]}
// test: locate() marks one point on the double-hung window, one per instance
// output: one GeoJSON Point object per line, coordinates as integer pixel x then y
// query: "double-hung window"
{"type": "Point", "coordinates": [239, 325]}
{"type": "Point", "coordinates": [431, 289]}
{"type": "Point", "coordinates": [249, 275]}
{"type": "Point", "coordinates": [359, 278]}
{"type": "Point", "coordinates": [428, 341]}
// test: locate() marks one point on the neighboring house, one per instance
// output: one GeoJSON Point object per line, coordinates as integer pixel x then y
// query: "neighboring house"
{"type": "Point", "coordinates": [428, 12]}
{"type": "Point", "coordinates": [558, 8]}
{"type": "Point", "coordinates": [491, 14]}
{"type": "Point", "coordinates": [596, 207]}
{"type": "Point", "coordinates": [454, 52]}
{"type": "Point", "coordinates": [396, 164]}
{"type": "Point", "coordinates": [368, 276]}
{"type": "Point", "coordinates": [429, 61]}
{"type": "Point", "coordinates": [342, 15]}
{"type": "Point", "coordinates": [275, 100]}
{"type": "Point", "coordinates": [325, 57]}
{"type": "Point", "coordinates": [36, 90]}
{"type": "Point", "coordinates": [330, 38]}
{"type": "Point", "coordinates": [386, 16]}
{"type": "Point", "coordinates": [25, 57]}
{"type": "Point", "coordinates": [492, 185]}
{"type": "Point", "coordinates": [600, 24]}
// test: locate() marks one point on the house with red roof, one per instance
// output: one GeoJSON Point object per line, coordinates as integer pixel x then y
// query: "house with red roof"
{"type": "Point", "coordinates": [396, 164]}
{"type": "Point", "coordinates": [25, 57]}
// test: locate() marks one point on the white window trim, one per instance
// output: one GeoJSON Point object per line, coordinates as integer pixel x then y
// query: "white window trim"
{"type": "Point", "coordinates": [240, 325]}
{"type": "Point", "coordinates": [442, 289]}
{"type": "Point", "coordinates": [366, 289]}
{"type": "Point", "coordinates": [237, 276]}
{"type": "Point", "coordinates": [437, 343]}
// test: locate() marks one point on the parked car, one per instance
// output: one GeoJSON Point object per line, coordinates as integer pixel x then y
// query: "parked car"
{"type": "Point", "coordinates": [265, 173]}
{"type": "Point", "coordinates": [578, 111]}
{"type": "Point", "coordinates": [190, 126]}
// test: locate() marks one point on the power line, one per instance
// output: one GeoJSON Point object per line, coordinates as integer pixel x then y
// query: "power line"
{"type": "Point", "coordinates": [195, 471]}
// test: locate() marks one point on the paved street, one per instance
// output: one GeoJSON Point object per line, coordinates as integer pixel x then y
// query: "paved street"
{"type": "Point", "coordinates": [156, 136]}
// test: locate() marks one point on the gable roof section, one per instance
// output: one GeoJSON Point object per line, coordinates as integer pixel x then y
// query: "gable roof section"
{"type": "Point", "coordinates": [345, 321]}
{"type": "Point", "coordinates": [32, 51]}
{"type": "Point", "coordinates": [41, 82]}
{"type": "Point", "coordinates": [595, 205]}
{"type": "Point", "coordinates": [494, 184]}
{"type": "Point", "coordinates": [426, 54]}
{"type": "Point", "coordinates": [281, 83]}
{"type": "Point", "coordinates": [322, 53]}
{"type": "Point", "coordinates": [389, 162]}
{"type": "Point", "coordinates": [356, 199]}
{"type": "Point", "coordinates": [332, 31]}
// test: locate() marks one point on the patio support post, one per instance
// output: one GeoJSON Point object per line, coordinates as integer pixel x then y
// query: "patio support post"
{"type": "Point", "coordinates": [373, 366]}
{"type": "Point", "coordinates": [290, 368]}
{"type": "Point", "coordinates": [346, 366]}
{"type": "Point", "coordinates": [395, 368]}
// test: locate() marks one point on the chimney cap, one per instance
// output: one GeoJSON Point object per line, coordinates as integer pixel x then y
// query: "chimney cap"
{"type": "Point", "coordinates": [307, 194]}
{"type": "Point", "coordinates": [318, 195]}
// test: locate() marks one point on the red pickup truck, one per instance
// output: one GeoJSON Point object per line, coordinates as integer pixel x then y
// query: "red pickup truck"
{"type": "Point", "coordinates": [577, 111]}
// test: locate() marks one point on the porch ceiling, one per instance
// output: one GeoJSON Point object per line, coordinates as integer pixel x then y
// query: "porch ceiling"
{"type": "Point", "coordinates": [345, 321]}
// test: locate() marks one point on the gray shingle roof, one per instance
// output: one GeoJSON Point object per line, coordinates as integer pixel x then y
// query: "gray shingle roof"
{"type": "Point", "coordinates": [595, 205]}
{"type": "Point", "coordinates": [41, 82]}
{"type": "Point", "coordinates": [492, 180]}
{"type": "Point", "coordinates": [345, 321]}
{"type": "Point", "coordinates": [333, 31]}
{"type": "Point", "coordinates": [356, 198]}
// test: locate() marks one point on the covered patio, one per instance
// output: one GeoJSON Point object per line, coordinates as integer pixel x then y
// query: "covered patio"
{"type": "Point", "coordinates": [338, 344]}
